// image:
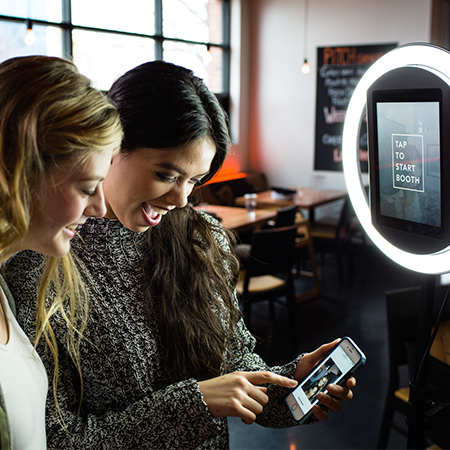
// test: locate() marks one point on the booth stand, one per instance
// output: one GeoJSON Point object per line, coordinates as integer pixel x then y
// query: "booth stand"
{"type": "Point", "coordinates": [423, 405]}
{"type": "Point", "coordinates": [419, 391]}
{"type": "Point", "coordinates": [406, 97]}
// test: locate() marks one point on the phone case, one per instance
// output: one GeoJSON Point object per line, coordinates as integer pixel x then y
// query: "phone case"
{"type": "Point", "coordinates": [349, 374]}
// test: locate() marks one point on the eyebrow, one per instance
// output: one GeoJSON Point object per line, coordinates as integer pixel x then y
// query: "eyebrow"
{"type": "Point", "coordinates": [98, 178]}
{"type": "Point", "coordinates": [170, 166]}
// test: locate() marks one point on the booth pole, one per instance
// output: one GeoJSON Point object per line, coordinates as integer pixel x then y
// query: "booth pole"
{"type": "Point", "coordinates": [417, 404]}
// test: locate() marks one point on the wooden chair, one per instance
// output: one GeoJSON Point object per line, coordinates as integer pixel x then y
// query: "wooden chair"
{"type": "Point", "coordinates": [402, 308]}
{"type": "Point", "coordinates": [304, 247]}
{"type": "Point", "coordinates": [268, 272]}
{"type": "Point", "coordinates": [335, 235]}
{"type": "Point", "coordinates": [285, 217]}
{"type": "Point", "coordinates": [438, 377]}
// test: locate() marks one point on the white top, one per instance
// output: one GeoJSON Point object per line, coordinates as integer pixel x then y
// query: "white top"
{"type": "Point", "coordinates": [24, 384]}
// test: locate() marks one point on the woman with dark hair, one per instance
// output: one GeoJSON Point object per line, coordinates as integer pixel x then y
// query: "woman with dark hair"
{"type": "Point", "coordinates": [166, 356]}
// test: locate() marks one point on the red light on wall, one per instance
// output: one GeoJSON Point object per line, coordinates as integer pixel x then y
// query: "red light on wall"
{"type": "Point", "coordinates": [219, 177]}
{"type": "Point", "coordinates": [229, 171]}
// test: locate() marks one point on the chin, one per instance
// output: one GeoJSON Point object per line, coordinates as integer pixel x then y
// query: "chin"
{"type": "Point", "coordinates": [58, 253]}
{"type": "Point", "coordinates": [134, 224]}
{"type": "Point", "coordinates": [58, 250]}
{"type": "Point", "coordinates": [138, 228]}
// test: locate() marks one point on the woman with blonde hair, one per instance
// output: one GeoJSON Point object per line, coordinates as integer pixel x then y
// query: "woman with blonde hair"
{"type": "Point", "coordinates": [57, 137]}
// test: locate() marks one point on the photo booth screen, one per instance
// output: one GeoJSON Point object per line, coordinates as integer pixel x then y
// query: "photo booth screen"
{"type": "Point", "coordinates": [408, 161]}
{"type": "Point", "coordinates": [409, 166]}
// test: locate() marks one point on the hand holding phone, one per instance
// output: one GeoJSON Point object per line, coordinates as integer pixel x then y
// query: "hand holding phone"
{"type": "Point", "coordinates": [240, 394]}
{"type": "Point", "coordinates": [338, 365]}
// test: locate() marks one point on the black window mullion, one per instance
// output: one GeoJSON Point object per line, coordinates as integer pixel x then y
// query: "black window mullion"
{"type": "Point", "coordinates": [226, 51]}
{"type": "Point", "coordinates": [159, 29]}
{"type": "Point", "coordinates": [67, 28]}
{"type": "Point", "coordinates": [67, 31]}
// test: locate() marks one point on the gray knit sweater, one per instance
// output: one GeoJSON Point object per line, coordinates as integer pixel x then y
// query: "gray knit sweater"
{"type": "Point", "coordinates": [127, 402]}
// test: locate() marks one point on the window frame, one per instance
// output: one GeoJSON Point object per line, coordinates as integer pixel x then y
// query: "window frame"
{"type": "Point", "coordinates": [68, 27]}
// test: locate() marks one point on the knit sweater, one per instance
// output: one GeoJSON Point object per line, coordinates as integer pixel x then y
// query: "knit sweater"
{"type": "Point", "coordinates": [127, 401]}
{"type": "Point", "coordinates": [5, 443]}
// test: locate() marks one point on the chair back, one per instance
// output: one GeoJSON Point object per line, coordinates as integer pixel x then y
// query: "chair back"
{"type": "Point", "coordinates": [272, 251]}
{"type": "Point", "coordinates": [346, 218]}
{"type": "Point", "coordinates": [286, 216]}
{"type": "Point", "coordinates": [402, 307]}
{"type": "Point", "coordinates": [438, 376]}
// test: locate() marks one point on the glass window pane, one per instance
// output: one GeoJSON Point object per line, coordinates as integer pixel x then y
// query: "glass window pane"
{"type": "Point", "coordinates": [193, 20]}
{"type": "Point", "coordinates": [215, 70]}
{"type": "Point", "coordinates": [48, 41]}
{"type": "Point", "coordinates": [137, 16]}
{"type": "Point", "coordinates": [215, 21]}
{"type": "Point", "coordinates": [50, 10]}
{"type": "Point", "coordinates": [104, 56]}
{"type": "Point", "coordinates": [206, 65]}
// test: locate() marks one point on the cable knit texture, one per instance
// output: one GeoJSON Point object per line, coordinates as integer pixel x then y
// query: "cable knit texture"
{"type": "Point", "coordinates": [127, 401]}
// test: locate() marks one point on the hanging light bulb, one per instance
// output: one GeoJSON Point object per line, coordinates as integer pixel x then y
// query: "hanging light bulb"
{"type": "Point", "coordinates": [305, 68]}
{"type": "Point", "coordinates": [30, 37]}
{"type": "Point", "coordinates": [209, 57]}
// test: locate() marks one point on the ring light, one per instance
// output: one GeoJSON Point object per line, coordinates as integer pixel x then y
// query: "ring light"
{"type": "Point", "coordinates": [422, 56]}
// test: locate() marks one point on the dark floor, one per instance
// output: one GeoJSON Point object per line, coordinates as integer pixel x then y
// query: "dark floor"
{"type": "Point", "coordinates": [356, 309]}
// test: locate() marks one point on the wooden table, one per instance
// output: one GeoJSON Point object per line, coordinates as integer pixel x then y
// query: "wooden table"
{"type": "Point", "coordinates": [237, 218]}
{"type": "Point", "coordinates": [307, 198]}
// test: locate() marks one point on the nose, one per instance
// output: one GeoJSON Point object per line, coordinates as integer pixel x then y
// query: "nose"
{"type": "Point", "coordinates": [178, 196]}
{"type": "Point", "coordinates": [96, 206]}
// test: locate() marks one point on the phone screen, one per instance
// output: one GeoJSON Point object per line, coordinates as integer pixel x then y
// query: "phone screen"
{"type": "Point", "coordinates": [333, 369]}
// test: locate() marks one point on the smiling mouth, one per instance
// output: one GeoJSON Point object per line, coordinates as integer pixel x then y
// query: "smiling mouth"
{"type": "Point", "coordinates": [153, 214]}
{"type": "Point", "coordinates": [153, 211]}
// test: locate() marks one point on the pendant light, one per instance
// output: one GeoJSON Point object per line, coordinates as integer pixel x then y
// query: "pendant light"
{"type": "Point", "coordinates": [30, 37]}
{"type": "Point", "coordinates": [305, 68]}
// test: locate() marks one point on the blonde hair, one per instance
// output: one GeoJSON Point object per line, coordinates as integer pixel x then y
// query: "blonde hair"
{"type": "Point", "coordinates": [49, 115]}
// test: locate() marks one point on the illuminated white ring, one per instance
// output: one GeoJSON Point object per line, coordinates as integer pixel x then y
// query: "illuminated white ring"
{"type": "Point", "coordinates": [425, 56]}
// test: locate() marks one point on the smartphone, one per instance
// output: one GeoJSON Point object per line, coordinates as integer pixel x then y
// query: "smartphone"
{"type": "Point", "coordinates": [341, 362]}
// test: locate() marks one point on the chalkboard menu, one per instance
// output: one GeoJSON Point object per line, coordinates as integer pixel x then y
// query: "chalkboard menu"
{"type": "Point", "coordinates": [339, 70]}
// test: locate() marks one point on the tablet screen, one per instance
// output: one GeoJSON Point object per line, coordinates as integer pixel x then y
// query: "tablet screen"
{"type": "Point", "coordinates": [408, 161]}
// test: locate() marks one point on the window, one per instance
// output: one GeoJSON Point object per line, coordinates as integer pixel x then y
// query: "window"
{"type": "Point", "coordinates": [105, 38]}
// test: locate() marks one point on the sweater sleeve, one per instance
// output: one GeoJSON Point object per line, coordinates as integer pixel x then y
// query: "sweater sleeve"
{"type": "Point", "coordinates": [174, 416]}
{"type": "Point", "coordinates": [276, 413]}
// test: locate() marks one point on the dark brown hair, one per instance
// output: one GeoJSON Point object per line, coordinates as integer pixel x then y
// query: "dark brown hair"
{"type": "Point", "coordinates": [190, 276]}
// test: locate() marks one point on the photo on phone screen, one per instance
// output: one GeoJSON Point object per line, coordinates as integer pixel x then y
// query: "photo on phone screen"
{"type": "Point", "coordinates": [340, 363]}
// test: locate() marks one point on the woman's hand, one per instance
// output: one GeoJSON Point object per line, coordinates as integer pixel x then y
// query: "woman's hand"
{"type": "Point", "coordinates": [337, 393]}
{"type": "Point", "coordinates": [237, 394]}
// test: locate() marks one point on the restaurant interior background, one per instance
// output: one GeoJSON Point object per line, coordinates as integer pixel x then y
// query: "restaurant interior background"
{"type": "Point", "coordinates": [275, 132]}
{"type": "Point", "coordinates": [271, 102]}
{"type": "Point", "coordinates": [272, 113]}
